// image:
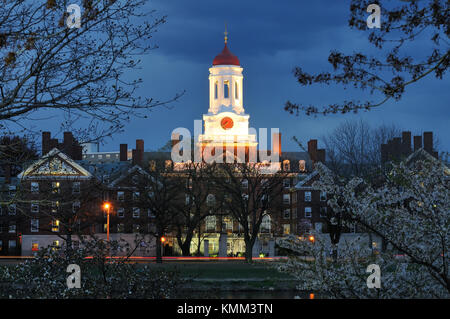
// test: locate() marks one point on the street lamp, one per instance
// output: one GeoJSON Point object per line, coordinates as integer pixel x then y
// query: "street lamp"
{"type": "Point", "coordinates": [107, 206]}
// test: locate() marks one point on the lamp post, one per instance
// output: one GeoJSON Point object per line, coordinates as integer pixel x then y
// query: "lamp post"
{"type": "Point", "coordinates": [107, 206]}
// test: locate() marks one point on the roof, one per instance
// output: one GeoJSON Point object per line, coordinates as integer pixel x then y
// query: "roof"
{"type": "Point", "coordinates": [226, 58]}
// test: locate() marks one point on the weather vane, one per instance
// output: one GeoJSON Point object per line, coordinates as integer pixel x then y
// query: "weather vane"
{"type": "Point", "coordinates": [226, 33]}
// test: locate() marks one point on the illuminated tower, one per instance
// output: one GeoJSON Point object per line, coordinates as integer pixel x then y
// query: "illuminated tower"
{"type": "Point", "coordinates": [226, 122]}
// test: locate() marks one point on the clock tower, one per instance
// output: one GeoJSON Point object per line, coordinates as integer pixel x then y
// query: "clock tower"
{"type": "Point", "coordinates": [226, 123]}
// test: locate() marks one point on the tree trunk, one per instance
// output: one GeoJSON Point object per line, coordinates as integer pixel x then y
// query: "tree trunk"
{"type": "Point", "coordinates": [248, 250]}
{"type": "Point", "coordinates": [186, 245]}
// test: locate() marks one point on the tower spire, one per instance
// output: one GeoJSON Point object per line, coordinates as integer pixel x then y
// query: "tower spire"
{"type": "Point", "coordinates": [226, 33]}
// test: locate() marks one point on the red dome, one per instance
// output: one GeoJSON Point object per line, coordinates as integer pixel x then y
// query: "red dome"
{"type": "Point", "coordinates": [226, 58]}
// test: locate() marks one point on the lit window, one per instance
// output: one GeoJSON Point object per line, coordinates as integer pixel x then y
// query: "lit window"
{"type": "Point", "coordinates": [307, 196]}
{"type": "Point", "coordinates": [76, 188]}
{"type": "Point", "coordinates": [302, 165]}
{"type": "Point", "coordinates": [34, 207]}
{"type": "Point", "coordinates": [136, 212]}
{"type": "Point", "coordinates": [286, 229]}
{"type": "Point", "coordinates": [210, 223]}
{"type": "Point", "coordinates": [226, 88]}
{"type": "Point", "coordinates": [121, 212]}
{"type": "Point", "coordinates": [265, 224]}
{"type": "Point", "coordinates": [56, 244]}
{"type": "Point", "coordinates": [286, 165]}
{"type": "Point", "coordinates": [34, 246]}
{"type": "Point", "coordinates": [120, 196]}
{"type": "Point", "coordinates": [34, 187]}
{"type": "Point", "coordinates": [308, 211]}
{"type": "Point", "coordinates": [55, 187]}
{"type": "Point", "coordinates": [55, 206]}
{"type": "Point", "coordinates": [35, 225]}
{"type": "Point", "coordinates": [55, 225]}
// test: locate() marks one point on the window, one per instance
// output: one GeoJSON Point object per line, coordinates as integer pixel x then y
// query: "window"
{"type": "Point", "coordinates": [294, 197]}
{"type": "Point", "coordinates": [323, 212]}
{"type": "Point", "coordinates": [302, 165]}
{"type": "Point", "coordinates": [55, 206]}
{"type": "Point", "coordinates": [188, 199]}
{"type": "Point", "coordinates": [120, 228]}
{"type": "Point", "coordinates": [76, 188]}
{"type": "Point", "coordinates": [150, 213]}
{"type": "Point", "coordinates": [245, 197]}
{"type": "Point", "coordinates": [136, 228]}
{"type": "Point", "coordinates": [35, 225]}
{"type": "Point", "coordinates": [210, 223]}
{"type": "Point", "coordinates": [56, 244]}
{"type": "Point", "coordinates": [226, 89]}
{"type": "Point", "coordinates": [120, 212]}
{"type": "Point", "coordinates": [120, 196]}
{"type": "Point", "coordinates": [286, 198]}
{"type": "Point", "coordinates": [12, 244]}
{"type": "Point", "coordinates": [308, 211]}
{"type": "Point", "coordinates": [136, 212]}
{"type": "Point", "coordinates": [12, 190]}
{"type": "Point", "coordinates": [286, 165]}
{"type": "Point", "coordinates": [286, 229]}
{"type": "Point", "coordinates": [35, 207]}
{"type": "Point", "coordinates": [227, 224]}
{"type": "Point", "coordinates": [286, 183]}
{"type": "Point", "coordinates": [34, 187]}
{"type": "Point", "coordinates": [136, 195]}
{"type": "Point", "coordinates": [12, 209]}
{"type": "Point", "coordinates": [216, 90]}
{"type": "Point", "coordinates": [307, 196]}
{"type": "Point", "coordinates": [34, 246]}
{"type": "Point", "coordinates": [245, 183]}
{"type": "Point", "coordinates": [76, 206]}
{"type": "Point", "coordinates": [287, 213]}
{"type": "Point", "coordinates": [55, 187]}
{"type": "Point", "coordinates": [210, 199]}
{"type": "Point", "coordinates": [323, 196]}
{"type": "Point", "coordinates": [12, 228]}
{"type": "Point", "coordinates": [265, 224]}
{"type": "Point", "coordinates": [55, 225]}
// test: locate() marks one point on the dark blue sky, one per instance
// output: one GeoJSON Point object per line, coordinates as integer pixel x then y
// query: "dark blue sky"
{"type": "Point", "coordinates": [270, 38]}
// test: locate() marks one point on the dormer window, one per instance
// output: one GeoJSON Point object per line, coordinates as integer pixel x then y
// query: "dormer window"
{"type": "Point", "coordinates": [226, 89]}
{"type": "Point", "coordinates": [286, 165]}
{"type": "Point", "coordinates": [302, 165]}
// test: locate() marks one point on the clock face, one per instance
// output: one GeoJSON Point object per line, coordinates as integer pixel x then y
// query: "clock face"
{"type": "Point", "coordinates": [226, 123]}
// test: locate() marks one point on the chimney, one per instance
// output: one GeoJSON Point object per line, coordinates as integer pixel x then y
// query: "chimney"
{"type": "Point", "coordinates": [68, 144]}
{"type": "Point", "coordinates": [139, 152]}
{"type": "Point", "coordinates": [276, 142]}
{"type": "Point", "coordinates": [417, 142]}
{"type": "Point", "coordinates": [123, 152]}
{"type": "Point", "coordinates": [77, 152]}
{"type": "Point", "coordinates": [406, 143]}
{"type": "Point", "coordinates": [45, 142]}
{"type": "Point", "coordinates": [396, 148]}
{"type": "Point", "coordinates": [428, 142]}
{"type": "Point", "coordinates": [312, 150]}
